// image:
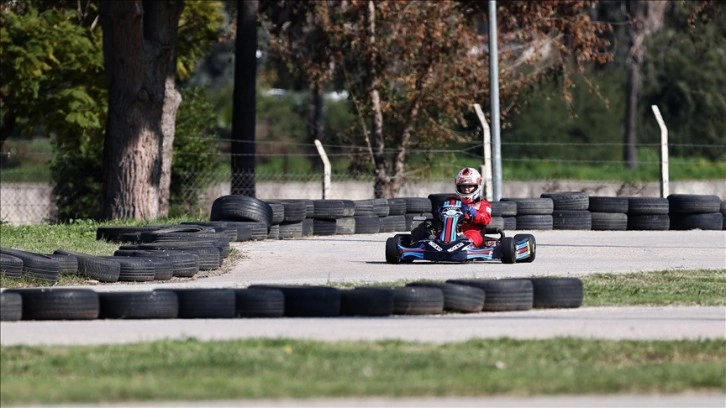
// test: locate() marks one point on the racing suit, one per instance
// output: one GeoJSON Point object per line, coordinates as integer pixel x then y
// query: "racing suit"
{"type": "Point", "coordinates": [473, 227]}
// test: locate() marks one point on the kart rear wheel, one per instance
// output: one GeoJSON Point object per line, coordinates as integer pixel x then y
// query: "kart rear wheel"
{"type": "Point", "coordinates": [532, 246]}
{"type": "Point", "coordinates": [509, 252]}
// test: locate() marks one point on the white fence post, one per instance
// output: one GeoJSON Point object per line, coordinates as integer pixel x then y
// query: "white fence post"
{"type": "Point", "coordinates": [326, 169]}
{"type": "Point", "coordinates": [486, 167]}
{"type": "Point", "coordinates": [664, 177]}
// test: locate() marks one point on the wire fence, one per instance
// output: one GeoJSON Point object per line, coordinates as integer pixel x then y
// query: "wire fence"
{"type": "Point", "coordinates": [26, 197]}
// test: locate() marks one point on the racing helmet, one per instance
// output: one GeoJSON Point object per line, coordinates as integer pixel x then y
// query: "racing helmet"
{"type": "Point", "coordinates": [468, 177]}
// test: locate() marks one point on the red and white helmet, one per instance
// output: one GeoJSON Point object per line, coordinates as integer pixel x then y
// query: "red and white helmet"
{"type": "Point", "coordinates": [468, 177]}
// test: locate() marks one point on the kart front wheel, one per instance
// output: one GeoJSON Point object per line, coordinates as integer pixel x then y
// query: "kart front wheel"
{"type": "Point", "coordinates": [509, 251]}
{"type": "Point", "coordinates": [532, 246]}
{"type": "Point", "coordinates": [393, 255]}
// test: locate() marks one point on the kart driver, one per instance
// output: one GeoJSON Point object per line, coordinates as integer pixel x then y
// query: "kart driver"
{"type": "Point", "coordinates": [477, 211]}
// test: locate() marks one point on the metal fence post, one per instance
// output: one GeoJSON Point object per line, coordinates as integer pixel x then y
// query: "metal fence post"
{"type": "Point", "coordinates": [664, 177]}
{"type": "Point", "coordinates": [486, 167]}
{"type": "Point", "coordinates": [326, 169]}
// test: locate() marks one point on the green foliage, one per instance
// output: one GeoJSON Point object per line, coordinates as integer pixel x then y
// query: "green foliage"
{"type": "Point", "coordinates": [683, 76]}
{"type": "Point", "coordinates": [52, 70]}
{"type": "Point", "coordinates": [51, 63]}
{"type": "Point", "coordinates": [201, 24]}
{"type": "Point", "coordinates": [196, 150]}
{"type": "Point", "coordinates": [588, 129]}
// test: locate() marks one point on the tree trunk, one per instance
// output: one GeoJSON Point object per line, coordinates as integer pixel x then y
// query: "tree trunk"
{"type": "Point", "coordinates": [139, 49]}
{"type": "Point", "coordinates": [316, 121]}
{"type": "Point", "coordinates": [244, 105]}
{"type": "Point", "coordinates": [379, 159]}
{"type": "Point", "coordinates": [646, 17]}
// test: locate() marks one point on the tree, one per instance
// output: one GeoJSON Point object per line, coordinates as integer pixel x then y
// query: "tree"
{"type": "Point", "coordinates": [413, 69]}
{"type": "Point", "coordinates": [646, 17]}
{"type": "Point", "coordinates": [139, 48]}
{"type": "Point", "coordinates": [245, 82]}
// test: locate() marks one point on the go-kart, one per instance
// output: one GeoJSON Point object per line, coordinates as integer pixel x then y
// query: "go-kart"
{"type": "Point", "coordinates": [440, 240]}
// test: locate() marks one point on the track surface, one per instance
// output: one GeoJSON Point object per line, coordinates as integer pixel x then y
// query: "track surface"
{"type": "Point", "coordinates": [359, 259]}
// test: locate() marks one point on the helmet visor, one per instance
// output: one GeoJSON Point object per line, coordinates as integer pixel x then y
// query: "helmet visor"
{"type": "Point", "coordinates": [466, 188]}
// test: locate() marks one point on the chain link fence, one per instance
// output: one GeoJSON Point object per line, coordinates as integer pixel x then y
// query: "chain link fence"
{"type": "Point", "coordinates": [27, 197]}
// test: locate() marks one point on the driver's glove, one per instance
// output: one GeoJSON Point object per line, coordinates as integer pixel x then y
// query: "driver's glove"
{"type": "Point", "coordinates": [469, 211]}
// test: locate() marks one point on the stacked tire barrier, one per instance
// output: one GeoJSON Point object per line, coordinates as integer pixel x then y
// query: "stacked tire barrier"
{"type": "Point", "coordinates": [162, 252]}
{"type": "Point", "coordinates": [414, 298]}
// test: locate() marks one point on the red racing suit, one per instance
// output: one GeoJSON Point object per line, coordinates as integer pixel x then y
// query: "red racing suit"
{"type": "Point", "coordinates": [472, 228]}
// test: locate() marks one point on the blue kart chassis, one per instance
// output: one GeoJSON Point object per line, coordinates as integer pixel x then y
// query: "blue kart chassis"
{"type": "Point", "coordinates": [444, 242]}
{"type": "Point", "coordinates": [399, 249]}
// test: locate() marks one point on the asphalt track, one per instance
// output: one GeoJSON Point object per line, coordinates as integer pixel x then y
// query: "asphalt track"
{"type": "Point", "coordinates": [359, 260]}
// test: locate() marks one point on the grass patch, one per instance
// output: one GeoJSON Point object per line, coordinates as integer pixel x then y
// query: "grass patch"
{"type": "Point", "coordinates": [670, 287]}
{"type": "Point", "coordinates": [194, 370]}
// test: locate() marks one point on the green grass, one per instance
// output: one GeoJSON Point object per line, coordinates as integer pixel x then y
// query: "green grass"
{"type": "Point", "coordinates": [223, 370]}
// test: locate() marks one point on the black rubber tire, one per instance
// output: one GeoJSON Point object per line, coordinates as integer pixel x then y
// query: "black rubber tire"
{"type": "Point", "coordinates": [609, 204]}
{"type": "Point", "coordinates": [704, 221]}
{"type": "Point", "coordinates": [554, 292]}
{"type": "Point", "coordinates": [509, 252]}
{"type": "Point", "coordinates": [532, 246]}
{"type": "Point", "coordinates": [274, 232]}
{"type": "Point", "coordinates": [210, 256]}
{"type": "Point", "coordinates": [533, 206]}
{"type": "Point", "coordinates": [134, 269]}
{"type": "Point", "coordinates": [117, 233]}
{"type": "Point", "coordinates": [649, 222]}
{"type": "Point", "coordinates": [536, 222]}
{"type": "Point", "coordinates": [504, 208]}
{"type": "Point", "coordinates": [295, 211]}
{"type": "Point", "coordinates": [568, 200]}
{"type": "Point", "coordinates": [324, 226]}
{"type": "Point", "coordinates": [163, 267]}
{"type": "Point", "coordinates": [184, 264]}
{"type": "Point", "coordinates": [241, 208]}
{"type": "Point", "coordinates": [59, 304]}
{"type": "Point", "coordinates": [203, 303]}
{"type": "Point", "coordinates": [393, 256]}
{"type": "Point", "coordinates": [36, 266]}
{"type": "Point", "coordinates": [380, 207]}
{"type": "Point", "coordinates": [417, 204]}
{"type": "Point", "coordinates": [496, 222]}
{"type": "Point", "coordinates": [647, 205]}
{"type": "Point", "coordinates": [328, 209]}
{"type": "Point", "coordinates": [10, 266]}
{"type": "Point", "coordinates": [259, 302]}
{"type": "Point", "coordinates": [510, 223]}
{"type": "Point", "coordinates": [154, 304]}
{"type": "Point", "coordinates": [363, 207]}
{"type": "Point", "coordinates": [609, 221]}
{"type": "Point", "coordinates": [345, 226]}
{"type": "Point", "coordinates": [11, 306]}
{"type": "Point", "coordinates": [693, 203]}
{"type": "Point", "coordinates": [393, 223]}
{"type": "Point", "coordinates": [67, 264]}
{"type": "Point", "coordinates": [367, 224]}
{"type": "Point", "coordinates": [94, 267]}
{"type": "Point", "coordinates": [278, 213]}
{"type": "Point", "coordinates": [397, 206]}
{"type": "Point", "coordinates": [293, 230]}
{"type": "Point", "coordinates": [413, 300]}
{"type": "Point", "coordinates": [226, 227]}
{"type": "Point", "coordinates": [502, 294]}
{"type": "Point", "coordinates": [571, 220]}
{"type": "Point", "coordinates": [457, 298]}
{"type": "Point", "coordinates": [366, 301]}
{"type": "Point", "coordinates": [308, 301]}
